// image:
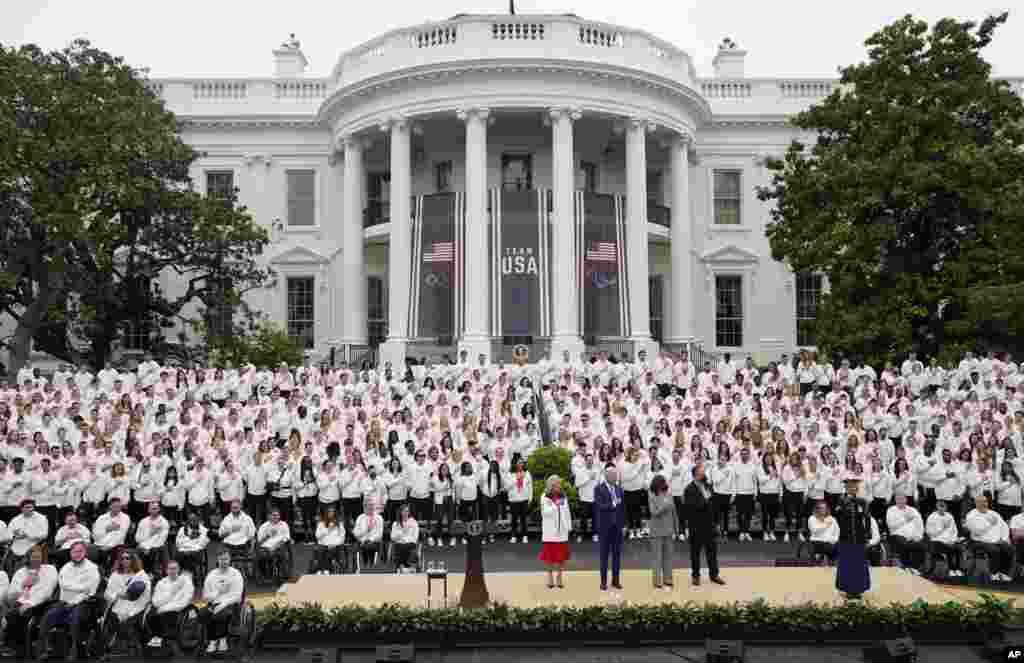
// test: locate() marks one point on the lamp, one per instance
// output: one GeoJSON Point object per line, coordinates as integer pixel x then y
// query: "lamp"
{"type": "Point", "coordinates": [724, 651]}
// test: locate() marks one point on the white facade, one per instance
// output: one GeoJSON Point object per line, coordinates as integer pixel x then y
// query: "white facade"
{"type": "Point", "coordinates": [592, 105]}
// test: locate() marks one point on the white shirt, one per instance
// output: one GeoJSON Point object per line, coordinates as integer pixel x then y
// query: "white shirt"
{"type": "Point", "coordinates": [988, 527]}
{"type": "Point", "coordinates": [941, 528]}
{"type": "Point", "coordinates": [107, 537]}
{"type": "Point", "coordinates": [117, 584]}
{"type": "Point", "coordinates": [330, 536]}
{"type": "Point", "coordinates": [185, 542]}
{"type": "Point", "coordinates": [409, 533]}
{"type": "Point", "coordinates": [905, 522]}
{"type": "Point", "coordinates": [152, 533]}
{"type": "Point", "coordinates": [173, 595]}
{"type": "Point", "coordinates": [273, 535]}
{"type": "Point", "coordinates": [237, 529]}
{"type": "Point", "coordinates": [224, 588]}
{"type": "Point", "coordinates": [824, 531]}
{"type": "Point", "coordinates": [366, 531]}
{"type": "Point", "coordinates": [66, 536]}
{"type": "Point", "coordinates": [35, 529]}
{"type": "Point", "coordinates": [556, 520]}
{"type": "Point", "coordinates": [44, 582]}
{"type": "Point", "coordinates": [78, 581]}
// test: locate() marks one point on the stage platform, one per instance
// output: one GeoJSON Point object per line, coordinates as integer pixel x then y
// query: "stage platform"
{"type": "Point", "coordinates": [778, 586]}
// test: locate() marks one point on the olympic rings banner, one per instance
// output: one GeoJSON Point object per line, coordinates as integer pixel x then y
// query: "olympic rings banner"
{"type": "Point", "coordinates": [435, 269]}
{"type": "Point", "coordinates": [601, 264]}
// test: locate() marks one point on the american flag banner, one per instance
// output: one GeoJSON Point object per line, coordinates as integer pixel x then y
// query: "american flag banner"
{"type": "Point", "coordinates": [602, 252]}
{"type": "Point", "coordinates": [440, 252]}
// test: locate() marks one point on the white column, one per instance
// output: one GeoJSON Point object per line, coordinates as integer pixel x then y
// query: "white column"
{"type": "Point", "coordinates": [353, 255]}
{"type": "Point", "coordinates": [476, 333]}
{"type": "Point", "coordinates": [680, 293]}
{"type": "Point", "coordinates": [400, 246]}
{"type": "Point", "coordinates": [636, 235]}
{"type": "Point", "coordinates": [565, 332]}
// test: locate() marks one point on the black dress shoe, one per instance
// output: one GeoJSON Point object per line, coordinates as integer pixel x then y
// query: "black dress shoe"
{"type": "Point", "coordinates": [616, 584]}
{"type": "Point", "coordinates": [604, 587]}
{"type": "Point", "coordinates": [696, 581]}
{"type": "Point", "coordinates": [717, 580]}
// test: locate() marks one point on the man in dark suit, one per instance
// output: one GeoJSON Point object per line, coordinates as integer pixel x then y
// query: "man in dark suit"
{"type": "Point", "coordinates": [700, 513]}
{"type": "Point", "coordinates": [611, 519]}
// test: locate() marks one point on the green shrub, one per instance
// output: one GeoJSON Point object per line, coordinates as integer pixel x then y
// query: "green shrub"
{"type": "Point", "coordinates": [547, 461]}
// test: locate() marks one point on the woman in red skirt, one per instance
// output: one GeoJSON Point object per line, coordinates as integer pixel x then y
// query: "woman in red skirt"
{"type": "Point", "coordinates": [556, 524]}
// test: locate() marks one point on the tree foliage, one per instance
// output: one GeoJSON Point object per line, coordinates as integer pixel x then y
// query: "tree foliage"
{"type": "Point", "coordinates": [97, 206]}
{"type": "Point", "coordinates": [262, 344]}
{"type": "Point", "coordinates": [911, 197]}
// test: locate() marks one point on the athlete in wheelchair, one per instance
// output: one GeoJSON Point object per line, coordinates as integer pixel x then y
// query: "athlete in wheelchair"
{"type": "Point", "coordinates": [172, 596]}
{"type": "Point", "coordinates": [272, 541]}
{"type": "Point", "coordinates": [127, 597]}
{"type": "Point", "coordinates": [28, 596]}
{"type": "Point", "coordinates": [76, 608]}
{"type": "Point", "coordinates": [190, 548]}
{"type": "Point", "coordinates": [223, 592]}
{"type": "Point", "coordinates": [151, 539]}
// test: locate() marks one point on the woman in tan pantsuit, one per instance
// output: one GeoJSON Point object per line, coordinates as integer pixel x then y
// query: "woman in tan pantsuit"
{"type": "Point", "coordinates": [664, 527]}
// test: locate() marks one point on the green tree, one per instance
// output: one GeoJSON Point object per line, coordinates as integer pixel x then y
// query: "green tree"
{"type": "Point", "coordinates": [262, 344]}
{"type": "Point", "coordinates": [551, 460]}
{"type": "Point", "coordinates": [97, 204]}
{"type": "Point", "coordinates": [911, 199]}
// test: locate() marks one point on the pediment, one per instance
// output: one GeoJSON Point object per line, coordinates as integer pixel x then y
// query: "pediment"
{"type": "Point", "coordinates": [732, 254]}
{"type": "Point", "coordinates": [299, 255]}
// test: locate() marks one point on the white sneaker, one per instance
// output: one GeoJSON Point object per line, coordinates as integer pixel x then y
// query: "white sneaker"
{"type": "Point", "coordinates": [223, 647]}
{"type": "Point", "coordinates": [526, 539]}
{"type": "Point", "coordinates": [431, 541]}
{"type": "Point", "coordinates": [463, 541]}
{"type": "Point", "coordinates": [800, 537]}
{"type": "Point", "coordinates": [451, 543]}
{"type": "Point", "coordinates": [156, 642]}
{"type": "Point", "coordinates": [596, 539]}
{"type": "Point", "coordinates": [212, 647]}
{"type": "Point", "coordinates": [682, 537]}
{"type": "Point", "coordinates": [579, 539]}
{"type": "Point", "coordinates": [513, 540]}
{"type": "Point", "coordinates": [785, 538]}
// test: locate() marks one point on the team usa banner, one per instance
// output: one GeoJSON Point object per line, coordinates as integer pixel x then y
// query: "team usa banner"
{"type": "Point", "coordinates": [521, 270]}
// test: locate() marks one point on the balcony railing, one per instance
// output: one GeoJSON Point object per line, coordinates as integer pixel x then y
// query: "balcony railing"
{"type": "Point", "coordinates": [518, 37]}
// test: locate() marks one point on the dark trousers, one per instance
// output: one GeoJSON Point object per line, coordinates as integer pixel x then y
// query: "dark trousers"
{"type": "Point", "coordinates": [164, 624]}
{"type": "Point", "coordinates": [518, 517]}
{"type": "Point", "coordinates": [878, 507]}
{"type": "Point", "coordinates": [769, 512]}
{"type": "Point", "coordinates": [792, 504]}
{"type": "Point", "coordinates": [1000, 555]}
{"type": "Point", "coordinates": [703, 539]}
{"type": "Point", "coordinates": [635, 501]}
{"type": "Point", "coordinates": [949, 551]}
{"type": "Point", "coordinates": [911, 553]}
{"type": "Point", "coordinates": [744, 512]}
{"type": "Point", "coordinates": [422, 510]}
{"type": "Point", "coordinates": [284, 506]}
{"type": "Point", "coordinates": [308, 507]}
{"type": "Point", "coordinates": [723, 506]}
{"type": "Point", "coordinates": [326, 556]}
{"type": "Point", "coordinates": [610, 550]}
{"type": "Point", "coordinates": [404, 554]}
{"type": "Point", "coordinates": [352, 508]}
{"type": "Point", "coordinates": [63, 614]}
{"type": "Point", "coordinates": [216, 623]}
{"type": "Point", "coordinates": [256, 507]}
{"type": "Point", "coordinates": [191, 561]}
{"type": "Point", "coordinates": [468, 510]}
{"type": "Point", "coordinates": [680, 513]}
{"type": "Point", "coordinates": [823, 548]}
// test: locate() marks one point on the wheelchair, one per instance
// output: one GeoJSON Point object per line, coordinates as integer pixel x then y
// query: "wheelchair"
{"type": "Point", "coordinates": [417, 568]}
{"type": "Point", "coordinates": [110, 632]}
{"type": "Point", "coordinates": [338, 563]}
{"type": "Point", "coordinates": [186, 637]}
{"type": "Point", "coordinates": [975, 563]}
{"type": "Point", "coordinates": [243, 558]}
{"type": "Point", "coordinates": [805, 551]}
{"type": "Point", "coordinates": [241, 632]}
{"type": "Point", "coordinates": [87, 636]}
{"type": "Point", "coordinates": [379, 556]}
{"type": "Point", "coordinates": [280, 566]}
{"type": "Point", "coordinates": [202, 566]}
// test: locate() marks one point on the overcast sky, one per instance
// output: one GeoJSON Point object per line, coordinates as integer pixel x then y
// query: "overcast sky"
{"type": "Point", "coordinates": [235, 37]}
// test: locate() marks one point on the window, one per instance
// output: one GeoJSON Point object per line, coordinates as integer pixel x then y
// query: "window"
{"type": "Point", "coordinates": [587, 177]}
{"type": "Point", "coordinates": [378, 199]}
{"type": "Point", "coordinates": [220, 184]}
{"type": "Point", "coordinates": [220, 311]}
{"type": "Point", "coordinates": [376, 311]}
{"type": "Point", "coordinates": [301, 197]}
{"type": "Point", "coordinates": [729, 311]}
{"type": "Point", "coordinates": [443, 176]}
{"type": "Point", "coordinates": [655, 285]}
{"type": "Point", "coordinates": [653, 186]}
{"type": "Point", "coordinates": [808, 294]}
{"type": "Point", "coordinates": [136, 335]}
{"type": "Point", "coordinates": [727, 197]}
{"type": "Point", "coordinates": [516, 172]}
{"type": "Point", "coordinates": [301, 310]}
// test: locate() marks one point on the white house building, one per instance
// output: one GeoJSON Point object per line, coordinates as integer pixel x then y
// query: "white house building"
{"type": "Point", "coordinates": [485, 180]}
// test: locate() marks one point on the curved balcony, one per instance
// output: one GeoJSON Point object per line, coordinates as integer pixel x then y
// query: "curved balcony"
{"type": "Point", "coordinates": [485, 37]}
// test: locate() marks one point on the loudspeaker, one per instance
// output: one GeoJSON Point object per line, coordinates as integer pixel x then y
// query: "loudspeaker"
{"type": "Point", "coordinates": [396, 654]}
{"type": "Point", "coordinates": [902, 650]}
{"type": "Point", "coordinates": [318, 656]}
{"type": "Point", "coordinates": [724, 651]}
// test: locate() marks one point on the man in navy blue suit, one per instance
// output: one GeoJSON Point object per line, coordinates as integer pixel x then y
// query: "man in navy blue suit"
{"type": "Point", "coordinates": [611, 518]}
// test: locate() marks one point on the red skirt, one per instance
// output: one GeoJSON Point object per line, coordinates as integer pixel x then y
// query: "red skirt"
{"type": "Point", "coordinates": [554, 553]}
